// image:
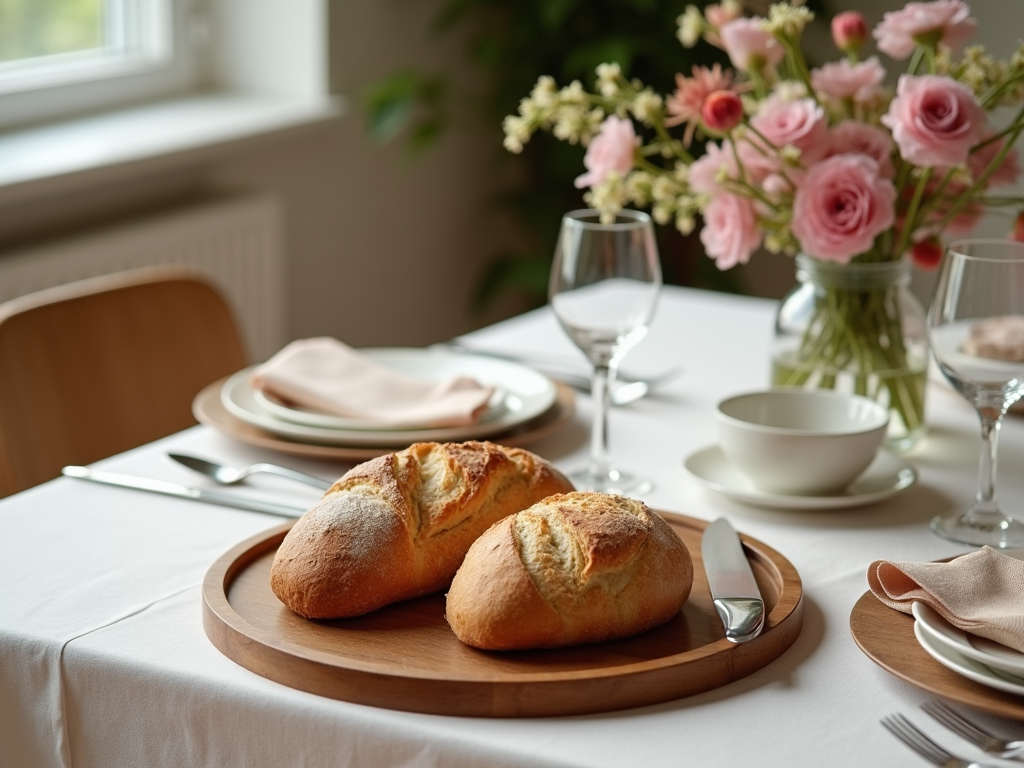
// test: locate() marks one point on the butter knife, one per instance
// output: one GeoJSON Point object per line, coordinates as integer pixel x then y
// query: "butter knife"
{"type": "Point", "coordinates": [181, 491]}
{"type": "Point", "coordinates": [735, 593]}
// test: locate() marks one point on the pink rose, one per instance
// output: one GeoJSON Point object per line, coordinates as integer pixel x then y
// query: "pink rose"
{"type": "Point", "coordinates": [799, 123]}
{"type": "Point", "coordinates": [730, 233]}
{"type": "Point", "coordinates": [849, 31]}
{"type": "Point", "coordinates": [863, 139]}
{"type": "Point", "coordinates": [934, 120]}
{"type": "Point", "coordinates": [704, 170]}
{"type": "Point", "coordinates": [943, 21]}
{"type": "Point", "coordinates": [1008, 171]}
{"type": "Point", "coordinates": [750, 47]}
{"type": "Point", "coordinates": [844, 80]}
{"type": "Point", "coordinates": [610, 151]}
{"type": "Point", "coordinates": [840, 206]}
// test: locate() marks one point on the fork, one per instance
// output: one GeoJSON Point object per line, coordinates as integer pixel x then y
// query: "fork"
{"type": "Point", "coordinates": [919, 742]}
{"type": "Point", "coordinates": [961, 726]}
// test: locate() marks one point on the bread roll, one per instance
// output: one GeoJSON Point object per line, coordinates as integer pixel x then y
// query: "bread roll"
{"type": "Point", "coordinates": [399, 525]}
{"type": "Point", "coordinates": [573, 568]}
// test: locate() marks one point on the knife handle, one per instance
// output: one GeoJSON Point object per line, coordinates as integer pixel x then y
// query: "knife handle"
{"type": "Point", "coordinates": [743, 617]}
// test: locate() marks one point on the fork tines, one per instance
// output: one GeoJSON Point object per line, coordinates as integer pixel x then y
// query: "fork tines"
{"type": "Point", "coordinates": [962, 727]}
{"type": "Point", "coordinates": [909, 734]}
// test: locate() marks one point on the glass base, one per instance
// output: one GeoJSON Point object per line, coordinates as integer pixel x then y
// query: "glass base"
{"type": "Point", "coordinates": [614, 481]}
{"type": "Point", "coordinates": [1004, 533]}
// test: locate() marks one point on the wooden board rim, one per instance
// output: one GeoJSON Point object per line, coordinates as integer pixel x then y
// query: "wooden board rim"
{"type": "Point", "coordinates": [238, 639]}
{"type": "Point", "coordinates": [208, 410]}
{"type": "Point", "coordinates": [886, 636]}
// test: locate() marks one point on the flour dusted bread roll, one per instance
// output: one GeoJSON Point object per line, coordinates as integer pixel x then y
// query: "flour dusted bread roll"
{"type": "Point", "coordinates": [573, 568]}
{"type": "Point", "coordinates": [398, 526]}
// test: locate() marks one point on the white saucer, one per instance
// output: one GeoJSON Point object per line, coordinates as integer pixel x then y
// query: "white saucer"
{"type": "Point", "coordinates": [969, 668]}
{"type": "Point", "coordinates": [981, 649]}
{"type": "Point", "coordinates": [888, 474]}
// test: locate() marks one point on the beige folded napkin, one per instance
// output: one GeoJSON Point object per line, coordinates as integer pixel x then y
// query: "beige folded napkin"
{"type": "Point", "coordinates": [981, 593]}
{"type": "Point", "coordinates": [327, 376]}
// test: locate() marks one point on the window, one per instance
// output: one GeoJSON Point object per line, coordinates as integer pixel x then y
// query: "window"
{"type": "Point", "coordinates": [62, 57]}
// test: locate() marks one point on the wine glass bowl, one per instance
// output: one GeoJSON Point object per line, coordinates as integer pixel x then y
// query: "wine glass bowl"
{"type": "Point", "coordinates": [980, 288]}
{"type": "Point", "coordinates": [603, 289]}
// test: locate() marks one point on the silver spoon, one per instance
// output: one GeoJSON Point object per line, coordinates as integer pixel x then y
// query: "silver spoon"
{"type": "Point", "coordinates": [230, 475]}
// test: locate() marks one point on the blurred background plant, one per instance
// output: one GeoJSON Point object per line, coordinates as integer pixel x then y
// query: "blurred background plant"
{"type": "Point", "coordinates": [513, 43]}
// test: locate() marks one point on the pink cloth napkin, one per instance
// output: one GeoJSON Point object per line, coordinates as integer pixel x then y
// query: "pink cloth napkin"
{"type": "Point", "coordinates": [326, 376]}
{"type": "Point", "coordinates": [981, 593]}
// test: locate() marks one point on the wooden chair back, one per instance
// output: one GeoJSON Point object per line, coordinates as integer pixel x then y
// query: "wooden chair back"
{"type": "Point", "coordinates": [96, 367]}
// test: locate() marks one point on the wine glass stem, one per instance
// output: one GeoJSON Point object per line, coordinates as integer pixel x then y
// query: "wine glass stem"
{"type": "Point", "coordinates": [600, 390]}
{"type": "Point", "coordinates": [985, 504]}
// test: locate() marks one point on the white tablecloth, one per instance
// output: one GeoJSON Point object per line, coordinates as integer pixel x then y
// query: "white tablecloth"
{"type": "Point", "coordinates": [104, 662]}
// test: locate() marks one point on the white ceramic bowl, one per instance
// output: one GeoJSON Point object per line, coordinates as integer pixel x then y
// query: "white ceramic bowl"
{"type": "Point", "coordinates": [801, 442]}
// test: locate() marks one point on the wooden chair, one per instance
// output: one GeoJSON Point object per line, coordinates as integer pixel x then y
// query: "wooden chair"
{"type": "Point", "coordinates": [96, 367]}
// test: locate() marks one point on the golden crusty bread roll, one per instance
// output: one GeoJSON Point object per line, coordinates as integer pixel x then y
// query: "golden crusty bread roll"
{"type": "Point", "coordinates": [398, 526]}
{"type": "Point", "coordinates": [573, 568]}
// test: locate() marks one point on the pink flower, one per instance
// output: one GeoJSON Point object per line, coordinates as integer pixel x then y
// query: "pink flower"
{"type": "Point", "coordinates": [750, 47]}
{"type": "Point", "coordinates": [610, 151]}
{"type": "Point", "coordinates": [687, 102]}
{"type": "Point", "coordinates": [722, 111]}
{"type": "Point", "coordinates": [934, 120]}
{"type": "Point", "coordinates": [799, 123]}
{"type": "Point", "coordinates": [849, 31]}
{"type": "Point", "coordinates": [840, 206]}
{"type": "Point", "coordinates": [942, 21]}
{"type": "Point", "coordinates": [863, 139]}
{"type": "Point", "coordinates": [730, 233]}
{"type": "Point", "coordinates": [717, 16]}
{"type": "Point", "coordinates": [720, 15]}
{"type": "Point", "coordinates": [1007, 173]}
{"type": "Point", "coordinates": [844, 80]}
{"type": "Point", "coordinates": [704, 170]}
{"type": "Point", "coordinates": [1017, 233]}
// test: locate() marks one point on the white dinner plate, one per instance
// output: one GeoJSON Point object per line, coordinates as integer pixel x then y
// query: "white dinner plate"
{"type": "Point", "coordinates": [887, 474]}
{"type": "Point", "coordinates": [988, 652]}
{"type": "Point", "coordinates": [969, 668]}
{"type": "Point", "coordinates": [526, 394]}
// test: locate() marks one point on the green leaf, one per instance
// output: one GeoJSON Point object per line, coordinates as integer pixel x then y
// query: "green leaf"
{"type": "Point", "coordinates": [389, 104]}
{"type": "Point", "coordinates": [553, 13]}
{"type": "Point", "coordinates": [422, 137]}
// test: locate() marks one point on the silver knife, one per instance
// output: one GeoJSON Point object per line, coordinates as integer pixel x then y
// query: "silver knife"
{"type": "Point", "coordinates": [737, 598]}
{"type": "Point", "coordinates": [182, 491]}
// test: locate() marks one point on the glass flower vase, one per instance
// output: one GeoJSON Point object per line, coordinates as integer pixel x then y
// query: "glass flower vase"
{"type": "Point", "coordinates": [856, 328]}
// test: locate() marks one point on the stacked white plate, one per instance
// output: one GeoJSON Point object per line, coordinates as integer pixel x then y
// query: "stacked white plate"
{"type": "Point", "coordinates": [521, 394]}
{"type": "Point", "coordinates": [977, 658]}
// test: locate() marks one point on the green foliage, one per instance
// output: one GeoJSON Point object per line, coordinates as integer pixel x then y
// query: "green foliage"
{"type": "Point", "coordinates": [31, 28]}
{"type": "Point", "coordinates": [516, 42]}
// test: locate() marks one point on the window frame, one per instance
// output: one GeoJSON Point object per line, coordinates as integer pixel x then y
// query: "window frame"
{"type": "Point", "coordinates": [157, 57]}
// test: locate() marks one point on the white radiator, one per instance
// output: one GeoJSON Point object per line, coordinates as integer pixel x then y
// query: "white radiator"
{"type": "Point", "coordinates": [236, 242]}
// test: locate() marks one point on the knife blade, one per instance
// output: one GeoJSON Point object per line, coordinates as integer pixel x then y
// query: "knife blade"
{"type": "Point", "coordinates": [181, 491]}
{"type": "Point", "coordinates": [736, 596]}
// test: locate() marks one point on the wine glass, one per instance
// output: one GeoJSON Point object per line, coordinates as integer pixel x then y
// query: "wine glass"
{"type": "Point", "coordinates": [603, 290]}
{"type": "Point", "coordinates": [980, 283]}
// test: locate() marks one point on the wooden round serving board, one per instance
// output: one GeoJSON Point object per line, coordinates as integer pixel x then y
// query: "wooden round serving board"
{"type": "Point", "coordinates": [405, 657]}
{"type": "Point", "coordinates": [887, 637]}
{"type": "Point", "coordinates": [209, 410]}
